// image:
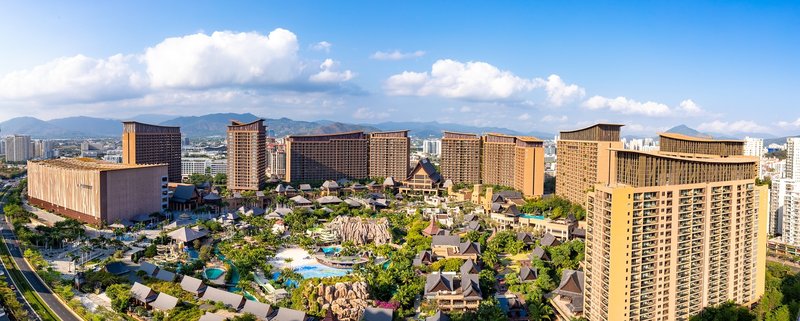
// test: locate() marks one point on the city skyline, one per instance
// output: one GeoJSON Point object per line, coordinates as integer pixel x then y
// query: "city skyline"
{"type": "Point", "coordinates": [523, 66]}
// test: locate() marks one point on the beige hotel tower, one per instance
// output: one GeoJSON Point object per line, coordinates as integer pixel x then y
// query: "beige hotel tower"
{"type": "Point", "coordinates": [674, 231]}
{"type": "Point", "coordinates": [582, 159]}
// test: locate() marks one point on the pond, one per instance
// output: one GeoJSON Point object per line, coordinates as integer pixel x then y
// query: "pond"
{"type": "Point", "coordinates": [214, 273]}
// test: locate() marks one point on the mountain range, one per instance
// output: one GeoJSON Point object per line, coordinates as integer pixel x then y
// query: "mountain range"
{"type": "Point", "coordinates": [215, 124]}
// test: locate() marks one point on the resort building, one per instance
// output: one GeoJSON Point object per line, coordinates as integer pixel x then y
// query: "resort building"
{"type": "Point", "coordinates": [97, 192]}
{"type": "Point", "coordinates": [453, 292]}
{"type": "Point", "coordinates": [247, 159]}
{"type": "Point", "coordinates": [276, 160]}
{"type": "Point", "coordinates": [324, 157]}
{"type": "Point", "coordinates": [583, 159]}
{"type": "Point", "coordinates": [461, 157]}
{"type": "Point", "coordinates": [209, 166]}
{"type": "Point", "coordinates": [389, 154]}
{"type": "Point", "coordinates": [423, 179]}
{"type": "Point", "coordinates": [145, 144]}
{"type": "Point", "coordinates": [516, 162]}
{"type": "Point", "coordinates": [689, 231]}
{"type": "Point", "coordinates": [568, 297]}
{"type": "Point", "coordinates": [450, 246]}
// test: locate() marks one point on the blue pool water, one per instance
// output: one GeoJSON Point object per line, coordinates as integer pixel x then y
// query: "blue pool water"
{"type": "Point", "coordinates": [320, 271]}
{"type": "Point", "coordinates": [193, 255]}
{"type": "Point", "coordinates": [537, 217]}
{"type": "Point", "coordinates": [330, 250]}
{"type": "Point", "coordinates": [214, 273]}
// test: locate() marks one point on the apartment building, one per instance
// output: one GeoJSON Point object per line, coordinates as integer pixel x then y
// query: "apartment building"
{"type": "Point", "coordinates": [198, 165]}
{"type": "Point", "coordinates": [389, 154]}
{"type": "Point", "coordinates": [327, 157]}
{"type": "Point", "coordinates": [247, 159]}
{"type": "Point", "coordinates": [753, 146]}
{"type": "Point", "coordinates": [276, 160]}
{"type": "Point", "coordinates": [792, 157]}
{"type": "Point", "coordinates": [145, 144]}
{"type": "Point", "coordinates": [461, 157]}
{"type": "Point", "coordinates": [18, 148]}
{"type": "Point", "coordinates": [97, 192]}
{"type": "Point", "coordinates": [583, 159]}
{"type": "Point", "coordinates": [689, 231]}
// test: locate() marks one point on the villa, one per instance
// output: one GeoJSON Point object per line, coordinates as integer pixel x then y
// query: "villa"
{"type": "Point", "coordinates": [528, 274]}
{"type": "Point", "coordinates": [422, 179]}
{"type": "Point", "coordinates": [452, 291]}
{"type": "Point", "coordinates": [193, 285]}
{"type": "Point", "coordinates": [568, 297]}
{"type": "Point", "coordinates": [229, 299]}
{"type": "Point", "coordinates": [450, 246]}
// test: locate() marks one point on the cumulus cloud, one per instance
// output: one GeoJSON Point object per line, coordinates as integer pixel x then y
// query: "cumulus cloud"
{"type": "Point", "coordinates": [524, 117]}
{"type": "Point", "coordinates": [790, 124]}
{"type": "Point", "coordinates": [328, 73]}
{"type": "Point", "coordinates": [396, 55]}
{"type": "Point", "coordinates": [365, 113]}
{"type": "Point", "coordinates": [223, 59]}
{"type": "Point", "coordinates": [740, 126]}
{"type": "Point", "coordinates": [322, 46]}
{"type": "Point", "coordinates": [554, 119]}
{"type": "Point", "coordinates": [76, 79]}
{"type": "Point", "coordinates": [476, 80]}
{"type": "Point", "coordinates": [690, 107]}
{"type": "Point", "coordinates": [627, 106]}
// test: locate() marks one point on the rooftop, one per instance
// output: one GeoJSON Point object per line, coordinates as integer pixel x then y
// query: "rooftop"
{"type": "Point", "coordinates": [88, 164]}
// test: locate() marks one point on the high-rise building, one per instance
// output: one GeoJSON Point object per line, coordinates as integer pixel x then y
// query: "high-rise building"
{"type": "Point", "coordinates": [675, 231]}
{"type": "Point", "coordinates": [432, 147]}
{"type": "Point", "coordinates": [97, 192]}
{"type": "Point", "coordinates": [247, 159]}
{"type": "Point", "coordinates": [18, 148]}
{"type": "Point", "coordinates": [208, 166]}
{"type": "Point", "coordinates": [512, 161]}
{"type": "Point", "coordinates": [276, 160]}
{"type": "Point", "coordinates": [583, 159]}
{"type": "Point", "coordinates": [327, 157]}
{"type": "Point", "coordinates": [790, 213]}
{"type": "Point", "coordinates": [152, 144]}
{"type": "Point", "coordinates": [389, 154]}
{"type": "Point", "coordinates": [43, 149]}
{"type": "Point", "coordinates": [461, 157]}
{"type": "Point", "coordinates": [753, 146]}
{"type": "Point", "coordinates": [793, 157]}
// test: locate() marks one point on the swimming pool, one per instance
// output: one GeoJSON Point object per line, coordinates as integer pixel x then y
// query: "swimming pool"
{"type": "Point", "coordinates": [320, 271]}
{"type": "Point", "coordinates": [214, 273]}
{"type": "Point", "coordinates": [536, 217]}
{"type": "Point", "coordinates": [331, 250]}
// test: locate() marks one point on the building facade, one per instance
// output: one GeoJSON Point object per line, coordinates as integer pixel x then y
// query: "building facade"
{"type": "Point", "coordinates": [276, 160]}
{"type": "Point", "coordinates": [689, 231]}
{"type": "Point", "coordinates": [432, 147]}
{"type": "Point", "coordinates": [18, 148]}
{"type": "Point", "coordinates": [247, 159]}
{"type": "Point", "coordinates": [461, 157]}
{"type": "Point", "coordinates": [512, 161]}
{"type": "Point", "coordinates": [753, 146]}
{"type": "Point", "coordinates": [97, 192]}
{"type": "Point", "coordinates": [389, 154]}
{"type": "Point", "coordinates": [793, 157]}
{"type": "Point", "coordinates": [583, 159]}
{"type": "Point", "coordinates": [145, 144]}
{"type": "Point", "coordinates": [209, 166]}
{"type": "Point", "coordinates": [327, 157]}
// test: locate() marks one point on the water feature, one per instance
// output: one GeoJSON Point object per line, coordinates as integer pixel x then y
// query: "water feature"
{"type": "Point", "coordinates": [536, 217]}
{"type": "Point", "coordinates": [214, 273]}
{"type": "Point", "coordinates": [330, 250]}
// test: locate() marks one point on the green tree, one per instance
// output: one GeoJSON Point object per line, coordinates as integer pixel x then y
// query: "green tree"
{"type": "Point", "coordinates": [120, 295]}
{"type": "Point", "coordinates": [728, 311]}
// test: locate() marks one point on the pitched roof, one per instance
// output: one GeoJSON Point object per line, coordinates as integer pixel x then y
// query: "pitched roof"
{"type": "Point", "coordinates": [432, 228]}
{"type": "Point", "coordinates": [470, 286]}
{"type": "Point", "coordinates": [148, 268]}
{"type": "Point", "coordinates": [280, 188]}
{"type": "Point", "coordinates": [377, 314]}
{"type": "Point", "coordinates": [209, 316]}
{"type": "Point", "coordinates": [474, 226]}
{"type": "Point", "coordinates": [469, 247]}
{"type": "Point", "coordinates": [436, 282]}
{"type": "Point", "coordinates": [286, 314]}
{"type": "Point", "coordinates": [186, 234]}
{"type": "Point", "coordinates": [426, 167]}
{"type": "Point", "coordinates": [192, 285]}
{"type": "Point", "coordinates": [469, 267]}
{"type": "Point", "coordinates": [423, 258]}
{"type": "Point", "coordinates": [549, 240]}
{"type": "Point", "coordinates": [212, 197]}
{"type": "Point", "coordinates": [230, 299]}
{"type": "Point", "coordinates": [445, 240]}
{"type": "Point", "coordinates": [164, 302]}
{"type": "Point", "coordinates": [571, 282]}
{"type": "Point", "coordinates": [260, 310]}
{"type": "Point", "coordinates": [447, 184]}
{"type": "Point", "coordinates": [142, 293]}
{"type": "Point", "coordinates": [352, 202]}
{"type": "Point", "coordinates": [300, 200]}
{"type": "Point", "coordinates": [330, 199]}
{"type": "Point", "coordinates": [183, 193]}
{"type": "Point", "coordinates": [528, 274]}
{"type": "Point", "coordinates": [526, 238]}
{"type": "Point", "coordinates": [540, 253]}
{"type": "Point", "coordinates": [305, 187]}
{"type": "Point", "coordinates": [389, 181]}
{"type": "Point", "coordinates": [330, 185]}
{"type": "Point", "coordinates": [165, 275]}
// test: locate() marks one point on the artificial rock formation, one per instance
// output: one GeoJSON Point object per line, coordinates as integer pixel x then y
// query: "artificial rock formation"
{"type": "Point", "coordinates": [361, 231]}
{"type": "Point", "coordinates": [347, 301]}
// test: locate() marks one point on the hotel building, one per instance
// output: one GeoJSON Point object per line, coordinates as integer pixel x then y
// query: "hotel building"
{"type": "Point", "coordinates": [97, 192]}
{"type": "Point", "coordinates": [461, 157]}
{"type": "Point", "coordinates": [327, 157]}
{"type": "Point", "coordinates": [674, 231]}
{"type": "Point", "coordinates": [582, 159]}
{"type": "Point", "coordinates": [516, 162]}
{"type": "Point", "coordinates": [389, 154]}
{"type": "Point", "coordinates": [247, 155]}
{"type": "Point", "coordinates": [144, 144]}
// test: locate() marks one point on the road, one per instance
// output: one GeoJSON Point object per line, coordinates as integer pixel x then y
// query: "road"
{"type": "Point", "coordinates": [62, 312]}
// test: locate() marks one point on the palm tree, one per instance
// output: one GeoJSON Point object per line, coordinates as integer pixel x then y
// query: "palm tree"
{"type": "Point", "coordinates": [540, 311]}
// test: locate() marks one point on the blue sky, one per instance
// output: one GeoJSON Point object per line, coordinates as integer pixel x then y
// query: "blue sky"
{"type": "Point", "coordinates": [725, 67]}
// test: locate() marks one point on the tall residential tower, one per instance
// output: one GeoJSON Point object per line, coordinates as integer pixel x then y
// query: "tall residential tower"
{"type": "Point", "coordinates": [144, 144]}
{"type": "Point", "coordinates": [583, 159]}
{"type": "Point", "coordinates": [247, 155]}
{"type": "Point", "coordinates": [389, 154]}
{"type": "Point", "coordinates": [327, 157]}
{"type": "Point", "coordinates": [461, 157]}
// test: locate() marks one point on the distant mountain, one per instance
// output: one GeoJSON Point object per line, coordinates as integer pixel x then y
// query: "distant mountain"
{"type": "Point", "coordinates": [777, 140]}
{"type": "Point", "coordinates": [208, 125]}
{"type": "Point", "coordinates": [435, 129]}
{"type": "Point", "coordinates": [36, 128]}
{"type": "Point", "coordinates": [90, 126]}
{"type": "Point", "coordinates": [685, 130]}
{"type": "Point", "coordinates": [151, 118]}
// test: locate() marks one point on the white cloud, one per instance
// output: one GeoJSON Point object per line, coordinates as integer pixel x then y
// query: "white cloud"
{"type": "Point", "coordinates": [554, 119]}
{"type": "Point", "coordinates": [76, 79]}
{"type": "Point", "coordinates": [559, 92]}
{"type": "Point", "coordinates": [688, 106]}
{"type": "Point", "coordinates": [790, 124]}
{"type": "Point", "coordinates": [476, 80]}
{"type": "Point", "coordinates": [224, 58]}
{"type": "Point", "coordinates": [524, 117]}
{"type": "Point", "coordinates": [396, 55]}
{"type": "Point", "coordinates": [365, 113]}
{"type": "Point", "coordinates": [740, 126]}
{"type": "Point", "coordinates": [322, 46]}
{"type": "Point", "coordinates": [627, 106]}
{"type": "Point", "coordinates": [328, 73]}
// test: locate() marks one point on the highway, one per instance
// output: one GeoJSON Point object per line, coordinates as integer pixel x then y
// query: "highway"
{"type": "Point", "coordinates": [62, 312]}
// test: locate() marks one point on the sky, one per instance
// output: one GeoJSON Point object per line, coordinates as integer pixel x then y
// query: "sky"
{"type": "Point", "coordinates": [728, 67]}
